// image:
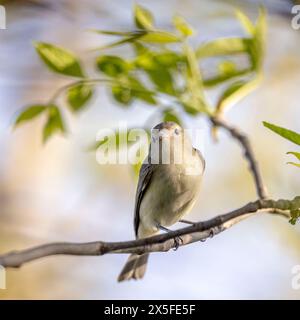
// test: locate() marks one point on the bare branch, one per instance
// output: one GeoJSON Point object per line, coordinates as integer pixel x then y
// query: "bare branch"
{"type": "Point", "coordinates": [249, 154]}
{"type": "Point", "coordinates": [200, 231]}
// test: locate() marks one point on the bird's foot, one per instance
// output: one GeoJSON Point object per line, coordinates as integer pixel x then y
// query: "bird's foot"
{"type": "Point", "coordinates": [177, 241]}
{"type": "Point", "coordinates": [211, 235]}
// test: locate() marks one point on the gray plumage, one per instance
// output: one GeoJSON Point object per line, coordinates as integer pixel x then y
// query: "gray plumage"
{"type": "Point", "coordinates": [165, 192]}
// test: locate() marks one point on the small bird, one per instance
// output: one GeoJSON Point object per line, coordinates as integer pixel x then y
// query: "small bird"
{"type": "Point", "coordinates": [168, 186]}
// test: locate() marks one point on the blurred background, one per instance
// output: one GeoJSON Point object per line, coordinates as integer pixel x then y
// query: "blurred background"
{"type": "Point", "coordinates": [58, 192]}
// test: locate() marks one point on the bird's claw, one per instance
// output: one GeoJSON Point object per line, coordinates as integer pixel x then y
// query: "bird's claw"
{"type": "Point", "coordinates": [177, 241]}
{"type": "Point", "coordinates": [211, 234]}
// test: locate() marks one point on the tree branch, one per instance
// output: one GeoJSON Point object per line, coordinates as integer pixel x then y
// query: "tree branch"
{"type": "Point", "coordinates": [249, 154]}
{"type": "Point", "coordinates": [200, 231]}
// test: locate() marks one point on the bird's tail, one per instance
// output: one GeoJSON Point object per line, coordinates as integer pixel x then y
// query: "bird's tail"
{"type": "Point", "coordinates": [135, 267]}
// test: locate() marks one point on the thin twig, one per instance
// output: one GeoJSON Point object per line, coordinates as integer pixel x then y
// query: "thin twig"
{"type": "Point", "coordinates": [249, 154]}
{"type": "Point", "coordinates": [95, 81]}
{"type": "Point", "coordinates": [200, 231]}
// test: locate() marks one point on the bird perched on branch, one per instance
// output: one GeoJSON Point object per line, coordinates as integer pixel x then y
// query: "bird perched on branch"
{"type": "Point", "coordinates": [168, 187]}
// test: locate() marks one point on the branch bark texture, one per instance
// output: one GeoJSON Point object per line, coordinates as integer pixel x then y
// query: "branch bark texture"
{"type": "Point", "coordinates": [199, 231]}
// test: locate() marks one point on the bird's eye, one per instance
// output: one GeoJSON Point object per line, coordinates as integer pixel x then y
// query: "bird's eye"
{"type": "Point", "coordinates": [176, 131]}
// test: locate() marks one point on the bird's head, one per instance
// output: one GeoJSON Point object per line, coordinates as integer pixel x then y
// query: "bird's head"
{"type": "Point", "coordinates": [169, 142]}
{"type": "Point", "coordinates": [166, 130]}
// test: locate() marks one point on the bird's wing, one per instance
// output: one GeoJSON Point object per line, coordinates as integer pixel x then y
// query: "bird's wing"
{"type": "Point", "coordinates": [144, 182]}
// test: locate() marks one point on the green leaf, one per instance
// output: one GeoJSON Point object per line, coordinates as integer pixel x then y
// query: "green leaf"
{"type": "Point", "coordinates": [159, 37]}
{"type": "Point", "coordinates": [295, 214]}
{"type": "Point", "coordinates": [221, 78]}
{"type": "Point", "coordinates": [139, 49]}
{"type": "Point", "coordinates": [78, 96]}
{"type": "Point", "coordinates": [246, 22]}
{"type": "Point", "coordinates": [234, 93]}
{"type": "Point", "coordinates": [259, 40]}
{"type": "Point", "coordinates": [120, 33]}
{"type": "Point", "coordinates": [223, 46]}
{"type": "Point", "coordinates": [261, 24]}
{"type": "Point", "coordinates": [296, 154]}
{"type": "Point", "coordinates": [194, 94]}
{"type": "Point", "coordinates": [285, 133]}
{"type": "Point", "coordinates": [171, 115]}
{"type": "Point", "coordinates": [294, 164]}
{"type": "Point", "coordinates": [159, 74]}
{"type": "Point", "coordinates": [193, 70]}
{"type": "Point", "coordinates": [54, 123]}
{"type": "Point", "coordinates": [182, 26]}
{"type": "Point", "coordinates": [143, 17]}
{"type": "Point", "coordinates": [168, 59]}
{"type": "Point", "coordinates": [228, 94]}
{"type": "Point", "coordinates": [190, 109]}
{"type": "Point", "coordinates": [121, 94]}
{"type": "Point", "coordinates": [130, 88]}
{"type": "Point", "coordinates": [256, 47]}
{"type": "Point", "coordinates": [147, 36]}
{"type": "Point", "coordinates": [59, 60]}
{"type": "Point", "coordinates": [119, 43]}
{"type": "Point", "coordinates": [127, 37]}
{"type": "Point", "coordinates": [162, 79]}
{"type": "Point", "coordinates": [139, 91]}
{"type": "Point", "coordinates": [112, 66]}
{"type": "Point", "coordinates": [29, 113]}
{"type": "Point", "coordinates": [145, 61]}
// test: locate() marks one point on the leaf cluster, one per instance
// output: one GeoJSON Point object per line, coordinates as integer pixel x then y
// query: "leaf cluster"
{"type": "Point", "coordinates": [163, 64]}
